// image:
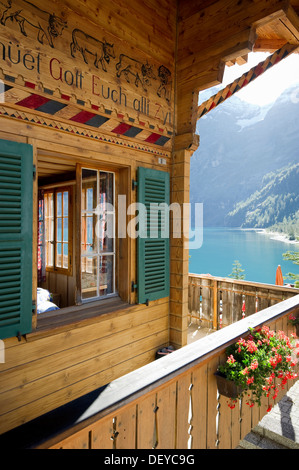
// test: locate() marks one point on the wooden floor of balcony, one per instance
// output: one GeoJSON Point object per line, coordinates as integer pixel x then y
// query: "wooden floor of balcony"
{"type": "Point", "coordinates": [196, 332]}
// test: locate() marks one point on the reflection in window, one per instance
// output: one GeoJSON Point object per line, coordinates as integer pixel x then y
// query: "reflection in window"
{"type": "Point", "coordinates": [97, 234]}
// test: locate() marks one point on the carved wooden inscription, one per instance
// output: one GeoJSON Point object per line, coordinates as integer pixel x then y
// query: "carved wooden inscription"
{"type": "Point", "coordinates": [59, 50]}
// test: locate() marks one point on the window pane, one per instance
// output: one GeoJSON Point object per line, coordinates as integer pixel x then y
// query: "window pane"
{"type": "Point", "coordinates": [106, 188]}
{"type": "Point", "coordinates": [59, 230]}
{"type": "Point", "coordinates": [89, 190]}
{"type": "Point", "coordinates": [106, 275]}
{"type": "Point", "coordinates": [50, 254]}
{"type": "Point", "coordinates": [59, 205]}
{"type": "Point", "coordinates": [97, 232]}
{"type": "Point", "coordinates": [89, 277]}
{"type": "Point", "coordinates": [49, 228]}
{"type": "Point", "coordinates": [65, 229]}
{"type": "Point", "coordinates": [105, 233]}
{"type": "Point", "coordinates": [65, 255]}
{"type": "Point", "coordinates": [88, 222]}
{"type": "Point", "coordinates": [65, 203]}
{"type": "Point", "coordinates": [90, 197]}
{"type": "Point", "coordinates": [51, 205]}
{"type": "Point", "coordinates": [58, 254]}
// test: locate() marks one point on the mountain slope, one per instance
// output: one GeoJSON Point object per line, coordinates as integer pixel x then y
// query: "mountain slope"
{"type": "Point", "coordinates": [278, 197]}
{"type": "Point", "coordinates": [239, 145]}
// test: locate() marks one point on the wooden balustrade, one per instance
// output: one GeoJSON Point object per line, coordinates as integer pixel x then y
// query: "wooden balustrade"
{"type": "Point", "coordinates": [214, 301]}
{"type": "Point", "coordinates": [173, 403]}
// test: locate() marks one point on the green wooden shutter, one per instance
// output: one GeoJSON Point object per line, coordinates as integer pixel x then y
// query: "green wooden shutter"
{"type": "Point", "coordinates": [16, 176]}
{"type": "Point", "coordinates": [153, 239]}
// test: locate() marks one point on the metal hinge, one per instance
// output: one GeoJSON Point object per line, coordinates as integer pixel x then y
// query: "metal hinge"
{"type": "Point", "coordinates": [34, 172]}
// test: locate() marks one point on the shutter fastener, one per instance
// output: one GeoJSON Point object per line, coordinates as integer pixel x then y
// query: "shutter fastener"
{"type": "Point", "coordinates": [133, 286]}
{"type": "Point", "coordinates": [134, 184]}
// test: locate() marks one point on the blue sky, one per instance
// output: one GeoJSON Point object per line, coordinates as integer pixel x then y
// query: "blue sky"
{"type": "Point", "coordinates": [266, 88]}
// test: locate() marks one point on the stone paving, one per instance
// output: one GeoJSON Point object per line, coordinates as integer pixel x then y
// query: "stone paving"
{"type": "Point", "coordinates": [283, 419]}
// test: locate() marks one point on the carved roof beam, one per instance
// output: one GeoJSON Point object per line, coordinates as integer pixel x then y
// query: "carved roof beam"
{"type": "Point", "coordinates": [245, 79]}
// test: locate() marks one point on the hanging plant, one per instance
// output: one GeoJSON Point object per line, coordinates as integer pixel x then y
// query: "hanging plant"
{"type": "Point", "coordinates": [295, 322]}
{"type": "Point", "coordinates": [254, 363]}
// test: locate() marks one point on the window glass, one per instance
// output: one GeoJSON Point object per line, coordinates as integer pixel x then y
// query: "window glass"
{"type": "Point", "coordinates": [65, 204]}
{"type": "Point", "coordinates": [106, 275]}
{"type": "Point", "coordinates": [89, 277]}
{"type": "Point", "coordinates": [59, 204]}
{"type": "Point", "coordinates": [57, 228]}
{"type": "Point", "coordinates": [97, 234]}
{"type": "Point", "coordinates": [49, 228]}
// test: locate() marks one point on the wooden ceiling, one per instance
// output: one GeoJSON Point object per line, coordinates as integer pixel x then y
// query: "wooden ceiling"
{"type": "Point", "coordinates": [50, 163]}
{"type": "Point", "coordinates": [275, 33]}
{"type": "Point", "coordinates": [216, 33]}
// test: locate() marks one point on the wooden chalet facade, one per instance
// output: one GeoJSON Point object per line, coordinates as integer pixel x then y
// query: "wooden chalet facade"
{"type": "Point", "coordinates": [98, 112]}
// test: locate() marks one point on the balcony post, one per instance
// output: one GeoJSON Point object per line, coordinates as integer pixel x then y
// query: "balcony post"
{"type": "Point", "coordinates": [215, 305]}
{"type": "Point", "coordinates": [179, 245]}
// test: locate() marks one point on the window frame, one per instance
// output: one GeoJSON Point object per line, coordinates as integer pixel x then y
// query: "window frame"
{"type": "Point", "coordinates": [98, 169]}
{"type": "Point", "coordinates": [56, 189]}
{"type": "Point", "coordinates": [122, 249]}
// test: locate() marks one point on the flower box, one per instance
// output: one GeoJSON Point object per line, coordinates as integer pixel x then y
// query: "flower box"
{"type": "Point", "coordinates": [261, 364]}
{"type": "Point", "coordinates": [226, 387]}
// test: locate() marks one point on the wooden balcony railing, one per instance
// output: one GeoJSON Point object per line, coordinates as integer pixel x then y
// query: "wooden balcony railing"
{"type": "Point", "coordinates": [173, 403]}
{"type": "Point", "coordinates": [215, 302]}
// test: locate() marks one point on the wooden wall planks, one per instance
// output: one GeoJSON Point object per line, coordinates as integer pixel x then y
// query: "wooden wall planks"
{"type": "Point", "coordinates": [61, 362]}
{"type": "Point", "coordinates": [44, 373]}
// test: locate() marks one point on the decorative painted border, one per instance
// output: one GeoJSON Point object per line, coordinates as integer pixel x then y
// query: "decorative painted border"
{"type": "Point", "coordinates": [93, 118]}
{"type": "Point", "coordinates": [75, 130]}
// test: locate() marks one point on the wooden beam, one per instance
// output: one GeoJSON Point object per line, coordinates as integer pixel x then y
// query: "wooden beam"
{"type": "Point", "coordinates": [242, 60]}
{"type": "Point", "coordinates": [245, 79]}
{"type": "Point", "coordinates": [268, 45]}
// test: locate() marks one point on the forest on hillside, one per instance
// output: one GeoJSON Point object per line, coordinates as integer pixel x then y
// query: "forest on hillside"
{"type": "Point", "coordinates": [245, 171]}
{"type": "Point", "coordinates": [275, 205]}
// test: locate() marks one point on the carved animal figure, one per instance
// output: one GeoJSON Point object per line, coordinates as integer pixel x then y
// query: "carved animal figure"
{"type": "Point", "coordinates": [164, 74]}
{"type": "Point", "coordinates": [49, 25]}
{"type": "Point", "coordinates": [141, 72]}
{"type": "Point", "coordinates": [86, 44]}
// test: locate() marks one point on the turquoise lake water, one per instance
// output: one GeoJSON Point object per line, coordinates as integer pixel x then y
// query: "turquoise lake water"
{"type": "Point", "coordinates": [258, 254]}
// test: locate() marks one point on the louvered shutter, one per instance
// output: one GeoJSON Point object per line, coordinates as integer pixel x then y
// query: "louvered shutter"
{"type": "Point", "coordinates": [16, 175]}
{"type": "Point", "coordinates": [153, 239]}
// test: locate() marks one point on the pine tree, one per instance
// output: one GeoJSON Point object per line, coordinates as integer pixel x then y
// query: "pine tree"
{"type": "Point", "coordinates": [237, 271]}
